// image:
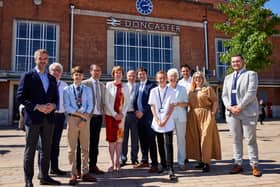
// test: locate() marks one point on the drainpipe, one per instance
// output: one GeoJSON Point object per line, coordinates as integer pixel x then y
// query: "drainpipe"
{"type": "Point", "coordinates": [72, 7]}
{"type": "Point", "coordinates": [205, 26]}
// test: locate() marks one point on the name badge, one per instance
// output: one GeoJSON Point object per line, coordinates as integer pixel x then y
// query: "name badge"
{"type": "Point", "coordinates": [161, 110]}
{"type": "Point", "coordinates": [233, 91]}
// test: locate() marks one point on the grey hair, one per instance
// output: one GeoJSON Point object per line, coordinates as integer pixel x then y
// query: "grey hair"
{"type": "Point", "coordinates": [173, 71]}
{"type": "Point", "coordinates": [56, 64]}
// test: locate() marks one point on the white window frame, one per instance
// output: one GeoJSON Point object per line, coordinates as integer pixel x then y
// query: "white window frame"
{"type": "Point", "coordinates": [29, 39]}
{"type": "Point", "coordinates": [217, 55]}
{"type": "Point", "coordinates": [110, 47]}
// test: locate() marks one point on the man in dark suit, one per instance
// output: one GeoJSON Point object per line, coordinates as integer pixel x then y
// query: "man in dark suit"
{"type": "Point", "coordinates": [37, 91]}
{"type": "Point", "coordinates": [145, 116]}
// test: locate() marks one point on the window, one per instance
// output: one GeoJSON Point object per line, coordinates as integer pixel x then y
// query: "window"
{"type": "Point", "coordinates": [136, 49]}
{"type": "Point", "coordinates": [30, 36]}
{"type": "Point", "coordinates": [221, 67]}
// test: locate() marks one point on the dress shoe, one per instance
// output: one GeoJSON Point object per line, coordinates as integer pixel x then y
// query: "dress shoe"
{"type": "Point", "coordinates": [58, 172]}
{"type": "Point", "coordinates": [236, 169]}
{"type": "Point", "coordinates": [88, 178]}
{"type": "Point", "coordinates": [122, 163]}
{"type": "Point", "coordinates": [182, 167]}
{"type": "Point", "coordinates": [79, 174]}
{"type": "Point", "coordinates": [73, 180]}
{"type": "Point", "coordinates": [142, 165]}
{"type": "Point", "coordinates": [28, 183]}
{"type": "Point", "coordinates": [172, 175]}
{"type": "Point", "coordinates": [256, 172]}
{"type": "Point", "coordinates": [200, 165]}
{"type": "Point", "coordinates": [206, 168]}
{"type": "Point", "coordinates": [49, 181]}
{"type": "Point", "coordinates": [161, 169]}
{"type": "Point", "coordinates": [153, 169]}
{"type": "Point", "coordinates": [135, 162]}
{"type": "Point", "coordinates": [96, 170]}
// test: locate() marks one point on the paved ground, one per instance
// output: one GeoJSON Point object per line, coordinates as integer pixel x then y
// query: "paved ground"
{"type": "Point", "coordinates": [11, 156]}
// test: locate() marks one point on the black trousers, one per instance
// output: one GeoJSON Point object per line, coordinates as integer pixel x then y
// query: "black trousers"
{"type": "Point", "coordinates": [58, 128]}
{"type": "Point", "coordinates": [147, 141]}
{"type": "Point", "coordinates": [95, 128]}
{"type": "Point", "coordinates": [45, 131]}
{"type": "Point", "coordinates": [165, 147]}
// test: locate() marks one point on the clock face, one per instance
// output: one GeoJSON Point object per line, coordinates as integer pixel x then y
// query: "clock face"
{"type": "Point", "coordinates": [144, 7]}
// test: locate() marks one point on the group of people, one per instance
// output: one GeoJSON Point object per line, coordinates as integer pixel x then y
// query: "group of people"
{"type": "Point", "coordinates": [146, 111]}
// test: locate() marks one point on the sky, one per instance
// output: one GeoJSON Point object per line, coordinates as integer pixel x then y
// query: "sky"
{"type": "Point", "coordinates": [274, 5]}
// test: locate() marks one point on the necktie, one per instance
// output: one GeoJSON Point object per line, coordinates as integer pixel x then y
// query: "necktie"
{"type": "Point", "coordinates": [233, 90]}
{"type": "Point", "coordinates": [139, 99]}
{"type": "Point", "coordinates": [79, 97]}
{"type": "Point", "coordinates": [97, 96]}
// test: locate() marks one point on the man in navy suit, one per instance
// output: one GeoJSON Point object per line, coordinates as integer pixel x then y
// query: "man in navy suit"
{"type": "Point", "coordinates": [145, 117]}
{"type": "Point", "coordinates": [37, 91]}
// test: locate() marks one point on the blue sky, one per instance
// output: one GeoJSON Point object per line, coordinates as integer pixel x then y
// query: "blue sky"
{"type": "Point", "coordinates": [274, 5]}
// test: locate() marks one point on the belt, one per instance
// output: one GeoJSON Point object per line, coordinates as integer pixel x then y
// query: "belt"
{"type": "Point", "coordinates": [130, 112]}
{"type": "Point", "coordinates": [73, 115]}
{"type": "Point", "coordinates": [96, 115]}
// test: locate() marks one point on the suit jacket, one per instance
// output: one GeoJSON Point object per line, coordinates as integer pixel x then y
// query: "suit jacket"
{"type": "Point", "coordinates": [88, 82]}
{"type": "Point", "coordinates": [145, 98]}
{"type": "Point", "coordinates": [246, 93]}
{"type": "Point", "coordinates": [31, 92]}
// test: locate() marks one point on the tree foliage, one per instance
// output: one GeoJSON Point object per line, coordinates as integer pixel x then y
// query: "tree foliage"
{"type": "Point", "coordinates": [249, 25]}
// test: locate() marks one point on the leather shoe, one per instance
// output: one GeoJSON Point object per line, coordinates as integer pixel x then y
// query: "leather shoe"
{"type": "Point", "coordinates": [142, 165]}
{"type": "Point", "coordinates": [96, 170]}
{"type": "Point", "coordinates": [73, 180]}
{"type": "Point", "coordinates": [49, 181]}
{"type": "Point", "coordinates": [58, 172]}
{"type": "Point", "coordinates": [172, 175]}
{"type": "Point", "coordinates": [206, 168]}
{"type": "Point", "coordinates": [134, 163]}
{"type": "Point", "coordinates": [256, 172]}
{"type": "Point", "coordinates": [153, 169]}
{"type": "Point", "coordinates": [123, 163]}
{"type": "Point", "coordinates": [88, 178]}
{"type": "Point", "coordinates": [236, 169]}
{"type": "Point", "coordinates": [200, 165]}
{"type": "Point", "coordinates": [28, 183]}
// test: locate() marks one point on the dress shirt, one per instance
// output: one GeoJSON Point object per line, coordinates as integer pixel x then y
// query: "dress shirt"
{"type": "Point", "coordinates": [44, 78]}
{"type": "Point", "coordinates": [61, 85]}
{"type": "Point", "coordinates": [180, 113]}
{"type": "Point", "coordinates": [167, 97]}
{"type": "Point", "coordinates": [131, 88]}
{"type": "Point", "coordinates": [69, 99]}
{"type": "Point", "coordinates": [95, 111]}
{"type": "Point", "coordinates": [186, 83]}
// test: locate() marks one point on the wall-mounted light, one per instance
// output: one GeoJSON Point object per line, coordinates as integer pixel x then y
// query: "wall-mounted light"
{"type": "Point", "coordinates": [37, 2]}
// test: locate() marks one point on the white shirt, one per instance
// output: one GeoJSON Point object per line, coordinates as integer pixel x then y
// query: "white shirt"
{"type": "Point", "coordinates": [131, 88]}
{"type": "Point", "coordinates": [95, 111]}
{"type": "Point", "coordinates": [180, 113]}
{"type": "Point", "coordinates": [61, 85]}
{"type": "Point", "coordinates": [186, 84]}
{"type": "Point", "coordinates": [162, 98]}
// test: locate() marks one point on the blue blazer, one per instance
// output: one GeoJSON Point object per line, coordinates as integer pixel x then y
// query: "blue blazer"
{"type": "Point", "coordinates": [148, 116]}
{"type": "Point", "coordinates": [31, 92]}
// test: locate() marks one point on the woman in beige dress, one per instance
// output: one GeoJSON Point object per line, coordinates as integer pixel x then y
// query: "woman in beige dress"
{"type": "Point", "coordinates": [202, 137]}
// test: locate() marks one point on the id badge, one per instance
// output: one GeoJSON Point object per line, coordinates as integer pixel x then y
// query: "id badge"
{"type": "Point", "coordinates": [233, 91]}
{"type": "Point", "coordinates": [161, 110]}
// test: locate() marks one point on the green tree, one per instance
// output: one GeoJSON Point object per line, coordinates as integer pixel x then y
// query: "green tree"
{"type": "Point", "coordinates": [249, 25]}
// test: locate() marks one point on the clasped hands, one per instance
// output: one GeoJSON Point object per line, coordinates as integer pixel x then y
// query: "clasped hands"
{"type": "Point", "coordinates": [234, 109]}
{"type": "Point", "coordinates": [161, 123]}
{"type": "Point", "coordinates": [45, 108]}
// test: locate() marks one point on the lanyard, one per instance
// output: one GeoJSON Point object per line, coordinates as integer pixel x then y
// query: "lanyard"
{"type": "Point", "coordinates": [78, 97]}
{"type": "Point", "coordinates": [237, 75]}
{"type": "Point", "coordinates": [162, 101]}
